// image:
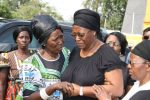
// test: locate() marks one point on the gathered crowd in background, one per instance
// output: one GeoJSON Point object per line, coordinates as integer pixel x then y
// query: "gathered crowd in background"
{"type": "Point", "coordinates": [95, 69]}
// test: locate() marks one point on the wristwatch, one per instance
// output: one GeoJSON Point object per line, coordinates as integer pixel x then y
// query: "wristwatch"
{"type": "Point", "coordinates": [81, 91]}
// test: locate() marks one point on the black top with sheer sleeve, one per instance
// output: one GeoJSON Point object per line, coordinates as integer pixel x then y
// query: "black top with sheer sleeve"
{"type": "Point", "coordinates": [90, 70]}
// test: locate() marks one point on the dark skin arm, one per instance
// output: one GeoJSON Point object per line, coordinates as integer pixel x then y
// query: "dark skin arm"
{"type": "Point", "coordinates": [101, 93]}
{"type": "Point", "coordinates": [3, 81]}
{"type": "Point", "coordinates": [62, 86]}
{"type": "Point", "coordinates": [115, 87]}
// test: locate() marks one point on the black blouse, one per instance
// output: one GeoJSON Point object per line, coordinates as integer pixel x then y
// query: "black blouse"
{"type": "Point", "coordinates": [141, 95]}
{"type": "Point", "coordinates": [53, 64]}
{"type": "Point", "coordinates": [90, 70]}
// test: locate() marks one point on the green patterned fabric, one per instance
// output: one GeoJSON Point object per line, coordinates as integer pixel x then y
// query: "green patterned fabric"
{"type": "Point", "coordinates": [34, 74]}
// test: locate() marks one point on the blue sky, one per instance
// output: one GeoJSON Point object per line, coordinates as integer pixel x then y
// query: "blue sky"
{"type": "Point", "coordinates": [65, 7]}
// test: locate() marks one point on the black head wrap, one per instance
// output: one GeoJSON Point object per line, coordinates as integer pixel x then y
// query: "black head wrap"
{"type": "Point", "coordinates": [43, 26]}
{"type": "Point", "coordinates": [142, 50]}
{"type": "Point", "coordinates": [88, 19]}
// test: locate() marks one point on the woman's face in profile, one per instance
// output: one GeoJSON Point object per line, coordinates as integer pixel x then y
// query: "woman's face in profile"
{"type": "Point", "coordinates": [82, 36]}
{"type": "Point", "coordinates": [55, 42]}
{"type": "Point", "coordinates": [23, 39]}
{"type": "Point", "coordinates": [137, 67]}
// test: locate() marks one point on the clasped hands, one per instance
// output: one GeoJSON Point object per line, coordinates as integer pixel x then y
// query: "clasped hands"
{"type": "Point", "coordinates": [72, 89]}
{"type": "Point", "coordinates": [67, 88]}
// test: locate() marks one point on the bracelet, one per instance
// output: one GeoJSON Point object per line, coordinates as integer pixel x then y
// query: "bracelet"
{"type": "Point", "coordinates": [81, 91]}
{"type": "Point", "coordinates": [43, 94]}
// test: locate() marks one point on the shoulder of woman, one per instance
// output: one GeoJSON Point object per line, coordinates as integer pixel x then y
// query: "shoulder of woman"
{"type": "Point", "coordinates": [4, 62]}
{"type": "Point", "coordinates": [11, 53]}
{"type": "Point", "coordinates": [32, 51]}
{"type": "Point", "coordinates": [105, 51]}
{"type": "Point", "coordinates": [5, 55]}
{"type": "Point", "coordinates": [66, 51]}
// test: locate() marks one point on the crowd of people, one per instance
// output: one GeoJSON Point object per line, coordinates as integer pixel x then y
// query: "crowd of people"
{"type": "Point", "coordinates": [94, 69]}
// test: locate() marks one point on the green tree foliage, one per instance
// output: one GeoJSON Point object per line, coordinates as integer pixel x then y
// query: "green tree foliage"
{"type": "Point", "coordinates": [14, 4]}
{"type": "Point", "coordinates": [32, 8]}
{"type": "Point", "coordinates": [26, 9]}
{"type": "Point", "coordinates": [92, 4]}
{"type": "Point", "coordinates": [4, 12]}
{"type": "Point", "coordinates": [112, 11]}
{"type": "Point", "coordinates": [51, 11]}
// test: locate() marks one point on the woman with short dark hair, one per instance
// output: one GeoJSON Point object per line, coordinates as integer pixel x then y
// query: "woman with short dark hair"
{"type": "Point", "coordinates": [20, 29]}
{"type": "Point", "coordinates": [121, 40]}
{"type": "Point", "coordinates": [22, 37]}
{"type": "Point", "coordinates": [119, 43]}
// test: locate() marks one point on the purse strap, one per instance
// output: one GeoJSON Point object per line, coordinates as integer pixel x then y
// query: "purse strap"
{"type": "Point", "coordinates": [13, 58]}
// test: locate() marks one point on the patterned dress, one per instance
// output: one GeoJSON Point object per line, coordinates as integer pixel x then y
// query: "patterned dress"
{"type": "Point", "coordinates": [38, 73]}
{"type": "Point", "coordinates": [14, 83]}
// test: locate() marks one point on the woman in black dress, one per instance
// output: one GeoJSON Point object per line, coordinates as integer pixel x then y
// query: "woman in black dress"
{"type": "Point", "coordinates": [92, 61]}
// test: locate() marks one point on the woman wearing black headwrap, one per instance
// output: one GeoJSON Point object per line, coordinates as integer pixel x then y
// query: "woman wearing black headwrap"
{"type": "Point", "coordinates": [42, 71]}
{"type": "Point", "coordinates": [92, 61]}
{"type": "Point", "coordinates": [139, 68]}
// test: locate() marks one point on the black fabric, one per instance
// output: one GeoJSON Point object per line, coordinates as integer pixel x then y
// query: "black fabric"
{"type": "Point", "coordinates": [141, 95]}
{"type": "Point", "coordinates": [56, 65]}
{"type": "Point", "coordinates": [27, 92]}
{"type": "Point", "coordinates": [88, 19]}
{"type": "Point", "coordinates": [142, 50]}
{"type": "Point", "coordinates": [43, 26]}
{"type": "Point", "coordinates": [89, 71]}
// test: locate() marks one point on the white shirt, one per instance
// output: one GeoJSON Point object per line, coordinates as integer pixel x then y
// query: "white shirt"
{"type": "Point", "coordinates": [136, 88]}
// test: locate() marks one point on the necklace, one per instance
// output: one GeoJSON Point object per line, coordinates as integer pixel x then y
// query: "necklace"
{"type": "Point", "coordinates": [91, 51]}
{"type": "Point", "coordinates": [22, 55]}
{"type": "Point", "coordinates": [46, 56]}
{"type": "Point", "coordinates": [52, 59]}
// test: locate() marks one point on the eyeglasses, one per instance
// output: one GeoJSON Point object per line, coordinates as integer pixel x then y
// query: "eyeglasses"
{"type": "Point", "coordinates": [113, 43]}
{"type": "Point", "coordinates": [133, 63]}
{"type": "Point", "coordinates": [146, 37]}
{"type": "Point", "coordinates": [80, 35]}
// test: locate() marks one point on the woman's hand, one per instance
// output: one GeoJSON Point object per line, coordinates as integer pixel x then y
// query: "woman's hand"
{"type": "Point", "coordinates": [62, 86]}
{"type": "Point", "coordinates": [65, 87]}
{"type": "Point", "coordinates": [76, 90]}
{"type": "Point", "coordinates": [101, 93]}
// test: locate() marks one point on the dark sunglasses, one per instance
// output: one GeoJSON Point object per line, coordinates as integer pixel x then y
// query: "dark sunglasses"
{"type": "Point", "coordinates": [146, 37]}
{"type": "Point", "coordinates": [81, 35]}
